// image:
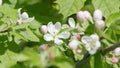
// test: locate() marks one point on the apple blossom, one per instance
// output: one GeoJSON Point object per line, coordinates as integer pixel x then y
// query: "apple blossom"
{"type": "Point", "coordinates": [54, 35]}
{"type": "Point", "coordinates": [91, 43]}
{"type": "Point", "coordinates": [97, 15]}
{"type": "Point", "coordinates": [23, 17]}
{"type": "Point", "coordinates": [44, 29]}
{"type": "Point", "coordinates": [117, 51]}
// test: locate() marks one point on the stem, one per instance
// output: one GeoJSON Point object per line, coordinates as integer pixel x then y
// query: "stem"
{"type": "Point", "coordinates": [111, 48]}
{"type": "Point", "coordinates": [103, 52]}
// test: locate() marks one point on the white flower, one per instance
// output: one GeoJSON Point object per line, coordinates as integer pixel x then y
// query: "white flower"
{"type": "Point", "coordinates": [54, 35]}
{"type": "Point", "coordinates": [97, 15]}
{"type": "Point", "coordinates": [73, 44]}
{"type": "Point", "coordinates": [44, 29]}
{"type": "Point", "coordinates": [99, 24]}
{"type": "Point", "coordinates": [117, 51]}
{"type": "Point", "coordinates": [81, 16]}
{"type": "Point", "coordinates": [0, 2]}
{"type": "Point", "coordinates": [91, 43]}
{"type": "Point", "coordinates": [23, 17]}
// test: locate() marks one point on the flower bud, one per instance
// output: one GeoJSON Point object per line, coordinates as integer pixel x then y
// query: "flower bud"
{"type": "Point", "coordinates": [99, 24]}
{"type": "Point", "coordinates": [73, 44]}
{"type": "Point", "coordinates": [79, 51]}
{"type": "Point", "coordinates": [19, 22]}
{"type": "Point", "coordinates": [114, 59]}
{"type": "Point", "coordinates": [81, 16]}
{"type": "Point", "coordinates": [88, 16]}
{"type": "Point", "coordinates": [97, 15]}
{"type": "Point", "coordinates": [44, 29]}
{"type": "Point", "coordinates": [78, 36]}
{"type": "Point", "coordinates": [117, 51]}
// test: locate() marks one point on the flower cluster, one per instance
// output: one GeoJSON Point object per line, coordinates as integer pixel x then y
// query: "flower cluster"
{"type": "Point", "coordinates": [97, 17]}
{"type": "Point", "coordinates": [57, 33]}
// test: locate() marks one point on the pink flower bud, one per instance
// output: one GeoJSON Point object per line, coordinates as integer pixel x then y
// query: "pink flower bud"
{"type": "Point", "coordinates": [97, 15]}
{"type": "Point", "coordinates": [81, 16]}
{"type": "Point", "coordinates": [44, 29]}
{"type": "Point", "coordinates": [99, 24]}
{"type": "Point", "coordinates": [78, 36]}
{"type": "Point", "coordinates": [73, 44]}
{"type": "Point", "coordinates": [79, 51]}
{"type": "Point", "coordinates": [87, 14]}
{"type": "Point", "coordinates": [114, 60]}
{"type": "Point", "coordinates": [117, 51]}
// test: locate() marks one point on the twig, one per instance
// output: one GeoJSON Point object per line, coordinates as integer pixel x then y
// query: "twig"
{"type": "Point", "coordinates": [111, 48]}
{"type": "Point", "coordinates": [103, 52]}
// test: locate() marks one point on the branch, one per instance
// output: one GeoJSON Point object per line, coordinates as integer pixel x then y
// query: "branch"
{"type": "Point", "coordinates": [111, 48]}
{"type": "Point", "coordinates": [103, 52]}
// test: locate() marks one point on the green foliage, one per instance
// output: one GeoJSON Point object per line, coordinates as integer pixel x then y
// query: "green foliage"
{"type": "Point", "coordinates": [69, 7]}
{"type": "Point", "coordinates": [20, 45]}
{"type": "Point", "coordinates": [108, 7]}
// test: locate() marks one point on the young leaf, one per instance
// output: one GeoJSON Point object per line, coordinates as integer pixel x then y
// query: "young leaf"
{"type": "Point", "coordinates": [69, 7]}
{"type": "Point", "coordinates": [107, 6]}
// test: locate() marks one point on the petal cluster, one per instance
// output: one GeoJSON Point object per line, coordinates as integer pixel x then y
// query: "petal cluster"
{"type": "Point", "coordinates": [92, 43]}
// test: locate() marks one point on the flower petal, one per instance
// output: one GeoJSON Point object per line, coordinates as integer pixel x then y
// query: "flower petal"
{"type": "Point", "coordinates": [86, 39]}
{"type": "Point", "coordinates": [57, 26]}
{"type": "Point", "coordinates": [64, 35]}
{"type": "Point", "coordinates": [58, 41]}
{"type": "Point", "coordinates": [65, 26]}
{"type": "Point", "coordinates": [71, 22]}
{"type": "Point", "coordinates": [97, 45]}
{"type": "Point", "coordinates": [92, 51]}
{"type": "Point", "coordinates": [29, 20]}
{"type": "Point", "coordinates": [24, 16]}
{"type": "Point", "coordinates": [51, 28]}
{"type": "Point", "coordinates": [48, 37]}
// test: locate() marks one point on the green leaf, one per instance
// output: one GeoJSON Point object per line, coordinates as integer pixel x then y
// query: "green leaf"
{"type": "Point", "coordinates": [69, 7]}
{"type": "Point", "coordinates": [98, 60]}
{"type": "Point", "coordinates": [28, 34]}
{"type": "Point", "coordinates": [107, 6]}
{"type": "Point", "coordinates": [112, 18]}
{"type": "Point", "coordinates": [10, 58]}
{"type": "Point", "coordinates": [115, 26]}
